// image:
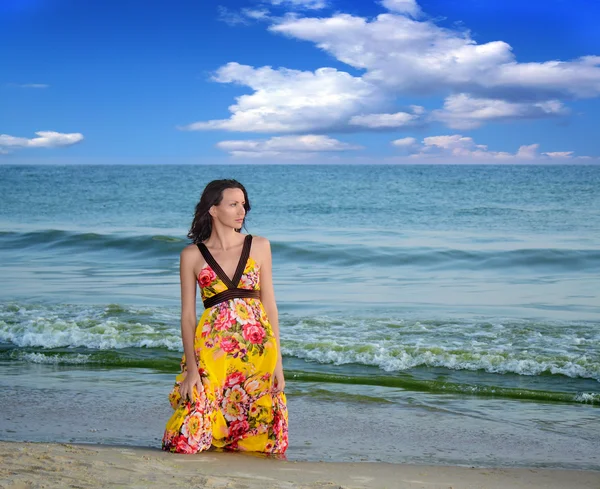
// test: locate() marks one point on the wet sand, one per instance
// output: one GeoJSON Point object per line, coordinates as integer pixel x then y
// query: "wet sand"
{"type": "Point", "coordinates": [53, 465]}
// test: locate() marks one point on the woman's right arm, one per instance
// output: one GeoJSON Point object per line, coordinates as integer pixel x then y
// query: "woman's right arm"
{"type": "Point", "coordinates": [188, 321]}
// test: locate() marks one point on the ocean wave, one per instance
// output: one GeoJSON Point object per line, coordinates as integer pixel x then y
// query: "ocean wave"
{"type": "Point", "coordinates": [101, 328]}
{"type": "Point", "coordinates": [52, 359]}
{"type": "Point", "coordinates": [309, 253]}
{"type": "Point", "coordinates": [400, 359]}
{"type": "Point", "coordinates": [501, 346]}
{"type": "Point", "coordinates": [521, 347]}
{"type": "Point", "coordinates": [171, 363]}
{"type": "Point", "coordinates": [445, 387]}
{"type": "Point", "coordinates": [56, 239]}
{"type": "Point", "coordinates": [165, 361]}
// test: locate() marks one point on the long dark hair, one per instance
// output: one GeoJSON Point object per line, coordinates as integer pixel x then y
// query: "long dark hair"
{"type": "Point", "coordinates": [212, 195]}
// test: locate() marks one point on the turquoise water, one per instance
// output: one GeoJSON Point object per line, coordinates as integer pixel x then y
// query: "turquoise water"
{"type": "Point", "coordinates": [477, 281]}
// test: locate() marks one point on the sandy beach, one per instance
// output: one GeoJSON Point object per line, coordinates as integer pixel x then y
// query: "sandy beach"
{"type": "Point", "coordinates": [48, 465]}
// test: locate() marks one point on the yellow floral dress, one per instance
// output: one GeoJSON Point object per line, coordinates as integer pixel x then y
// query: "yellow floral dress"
{"type": "Point", "coordinates": [236, 353]}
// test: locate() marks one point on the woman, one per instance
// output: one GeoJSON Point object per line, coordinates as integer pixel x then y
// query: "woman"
{"type": "Point", "coordinates": [229, 393]}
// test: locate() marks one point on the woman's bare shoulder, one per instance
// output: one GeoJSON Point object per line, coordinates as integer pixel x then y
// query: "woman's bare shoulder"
{"type": "Point", "coordinates": [260, 243]}
{"type": "Point", "coordinates": [259, 239]}
{"type": "Point", "coordinates": [190, 253]}
{"type": "Point", "coordinates": [261, 249]}
{"type": "Point", "coordinates": [190, 258]}
{"type": "Point", "coordinates": [190, 249]}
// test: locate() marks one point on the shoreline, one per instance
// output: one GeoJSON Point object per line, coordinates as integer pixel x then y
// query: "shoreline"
{"type": "Point", "coordinates": [129, 407]}
{"type": "Point", "coordinates": [31, 464]}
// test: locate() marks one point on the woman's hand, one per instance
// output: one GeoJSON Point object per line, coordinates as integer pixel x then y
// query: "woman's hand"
{"type": "Point", "coordinates": [186, 388]}
{"type": "Point", "coordinates": [278, 380]}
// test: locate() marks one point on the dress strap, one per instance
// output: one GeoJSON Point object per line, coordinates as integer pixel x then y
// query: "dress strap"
{"type": "Point", "coordinates": [233, 282]}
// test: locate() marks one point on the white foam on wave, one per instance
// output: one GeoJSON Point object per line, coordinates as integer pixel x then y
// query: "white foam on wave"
{"type": "Point", "coordinates": [586, 397]}
{"type": "Point", "coordinates": [394, 361]}
{"type": "Point", "coordinates": [83, 327]}
{"type": "Point", "coordinates": [520, 347]}
{"type": "Point", "coordinates": [513, 346]}
{"type": "Point", "coordinates": [76, 359]}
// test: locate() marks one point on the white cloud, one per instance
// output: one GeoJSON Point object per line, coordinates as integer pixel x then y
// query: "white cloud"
{"type": "Point", "coordinates": [410, 56]}
{"type": "Point", "coordinates": [405, 143]}
{"type": "Point", "coordinates": [257, 14]}
{"type": "Point", "coordinates": [462, 111]}
{"type": "Point", "coordinates": [380, 121]}
{"type": "Point", "coordinates": [399, 56]}
{"type": "Point", "coordinates": [409, 7]}
{"type": "Point", "coordinates": [455, 145]}
{"type": "Point", "coordinates": [244, 16]}
{"type": "Point", "coordinates": [45, 139]}
{"type": "Point", "coordinates": [528, 152]}
{"type": "Point", "coordinates": [300, 4]}
{"type": "Point", "coordinates": [458, 148]}
{"type": "Point", "coordinates": [293, 101]}
{"type": "Point", "coordinates": [29, 85]}
{"type": "Point", "coordinates": [579, 78]}
{"type": "Point", "coordinates": [231, 17]}
{"type": "Point", "coordinates": [417, 109]}
{"type": "Point", "coordinates": [285, 146]}
{"type": "Point", "coordinates": [562, 154]}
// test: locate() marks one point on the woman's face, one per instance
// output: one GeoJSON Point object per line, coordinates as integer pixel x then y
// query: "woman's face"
{"type": "Point", "coordinates": [230, 211]}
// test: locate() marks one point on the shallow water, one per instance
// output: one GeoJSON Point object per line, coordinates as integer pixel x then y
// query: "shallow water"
{"type": "Point", "coordinates": [328, 422]}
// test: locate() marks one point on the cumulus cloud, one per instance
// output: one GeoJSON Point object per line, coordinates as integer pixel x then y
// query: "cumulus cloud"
{"type": "Point", "coordinates": [380, 121]}
{"type": "Point", "coordinates": [407, 55]}
{"type": "Point", "coordinates": [45, 139]}
{"type": "Point", "coordinates": [409, 7]}
{"type": "Point", "coordinates": [293, 101]}
{"type": "Point", "coordinates": [399, 55]}
{"type": "Point", "coordinates": [417, 109]}
{"type": "Point", "coordinates": [561, 154]}
{"type": "Point", "coordinates": [462, 111]}
{"type": "Point", "coordinates": [405, 143]}
{"type": "Point", "coordinates": [257, 14]}
{"type": "Point", "coordinates": [528, 152]}
{"type": "Point", "coordinates": [579, 78]}
{"type": "Point", "coordinates": [456, 147]}
{"type": "Point", "coordinates": [301, 4]}
{"type": "Point", "coordinates": [285, 146]}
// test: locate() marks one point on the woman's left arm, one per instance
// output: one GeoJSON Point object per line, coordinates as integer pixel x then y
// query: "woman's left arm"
{"type": "Point", "coordinates": [267, 297]}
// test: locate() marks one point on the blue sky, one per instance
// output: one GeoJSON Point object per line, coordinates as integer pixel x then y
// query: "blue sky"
{"type": "Point", "coordinates": [315, 81]}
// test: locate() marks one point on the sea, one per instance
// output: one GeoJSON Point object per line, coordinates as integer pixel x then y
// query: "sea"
{"type": "Point", "coordinates": [435, 314]}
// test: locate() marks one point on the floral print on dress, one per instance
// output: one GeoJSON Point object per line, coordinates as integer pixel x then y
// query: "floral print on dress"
{"type": "Point", "coordinates": [236, 353]}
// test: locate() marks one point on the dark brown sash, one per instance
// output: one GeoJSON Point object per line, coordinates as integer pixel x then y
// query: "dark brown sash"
{"type": "Point", "coordinates": [229, 294]}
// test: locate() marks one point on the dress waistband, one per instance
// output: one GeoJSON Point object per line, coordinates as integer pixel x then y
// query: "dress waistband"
{"type": "Point", "coordinates": [231, 294]}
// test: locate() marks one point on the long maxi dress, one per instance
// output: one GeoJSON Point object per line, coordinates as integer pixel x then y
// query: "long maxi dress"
{"type": "Point", "coordinates": [236, 353]}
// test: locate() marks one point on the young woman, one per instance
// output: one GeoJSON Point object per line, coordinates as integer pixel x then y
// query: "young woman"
{"type": "Point", "coordinates": [229, 393]}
